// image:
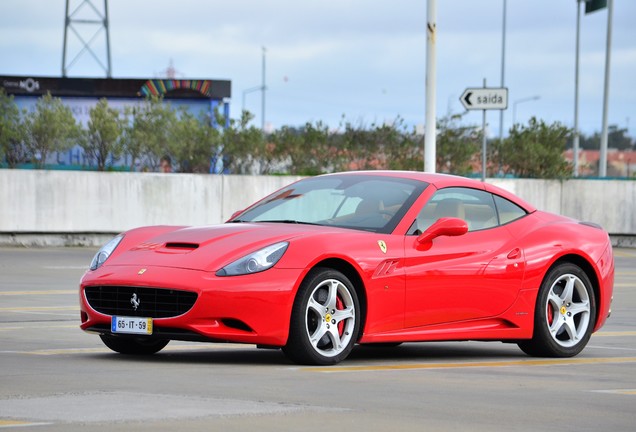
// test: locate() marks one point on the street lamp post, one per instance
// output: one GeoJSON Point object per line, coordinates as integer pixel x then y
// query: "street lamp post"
{"type": "Point", "coordinates": [503, 67]}
{"type": "Point", "coordinates": [518, 101]}
{"type": "Point", "coordinates": [430, 133]}
{"type": "Point", "coordinates": [575, 141]}
{"type": "Point", "coordinates": [262, 88]}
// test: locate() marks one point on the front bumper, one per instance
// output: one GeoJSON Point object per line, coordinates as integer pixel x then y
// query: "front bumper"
{"type": "Point", "coordinates": [252, 308]}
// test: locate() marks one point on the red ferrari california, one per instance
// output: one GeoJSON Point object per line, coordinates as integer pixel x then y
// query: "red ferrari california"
{"type": "Point", "coordinates": [357, 258]}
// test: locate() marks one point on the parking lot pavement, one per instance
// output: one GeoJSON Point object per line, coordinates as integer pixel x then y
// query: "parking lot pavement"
{"type": "Point", "coordinates": [55, 377]}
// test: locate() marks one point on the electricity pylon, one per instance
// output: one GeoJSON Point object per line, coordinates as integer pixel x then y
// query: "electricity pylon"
{"type": "Point", "coordinates": [87, 22]}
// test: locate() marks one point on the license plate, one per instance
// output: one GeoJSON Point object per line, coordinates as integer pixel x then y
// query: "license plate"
{"type": "Point", "coordinates": [134, 325]}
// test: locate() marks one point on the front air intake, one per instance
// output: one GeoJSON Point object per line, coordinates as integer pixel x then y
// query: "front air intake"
{"type": "Point", "coordinates": [138, 301]}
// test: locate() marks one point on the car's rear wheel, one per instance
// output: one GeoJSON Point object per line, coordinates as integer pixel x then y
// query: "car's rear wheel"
{"type": "Point", "coordinates": [325, 319]}
{"type": "Point", "coordinates": [133, 345]}
{"type": "Point", "coordinates": [564, 315]}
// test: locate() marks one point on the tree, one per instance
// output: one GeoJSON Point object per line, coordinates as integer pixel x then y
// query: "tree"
{"type": "Point", "coordinates": [456, 146]}
{"type": "Point", "coordinates": [149, 132]}
{"type": "Point", "coordinates": [406, 150]}
{"type": "Point", "coordinates": [191, 143]}
{"type": "Point", "coordinates": [50, 128]}
{"type": "Point", "coordinates": [362, 147]}
{"type": "Point", "coordinates": [243, 146]}
{"type": "Point", "coordinates": [617, 138]}
{"type": "Point", "coordinates": [103, 138]}
{"type": "Point", "coordinates": [535, 150]}
{"type": "Point", "coordinates": [12, 147]}
{"type": "Point", "coordinates": [305, 150]}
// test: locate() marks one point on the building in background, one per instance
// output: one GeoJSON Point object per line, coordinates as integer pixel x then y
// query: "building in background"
{"type": "Point", "coordinates": [199, 96]}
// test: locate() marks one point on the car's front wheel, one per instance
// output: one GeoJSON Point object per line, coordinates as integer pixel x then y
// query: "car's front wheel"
{"type": "Point", "coordinates": [325, 319]}
{"type": "Point", "coordinates": [565, 314]}
{"type": "Point", "coordinates": [132, 345]}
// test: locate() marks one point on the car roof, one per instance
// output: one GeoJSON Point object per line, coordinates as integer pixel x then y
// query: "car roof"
{"type": "Point", "coordinates": [441, 181]}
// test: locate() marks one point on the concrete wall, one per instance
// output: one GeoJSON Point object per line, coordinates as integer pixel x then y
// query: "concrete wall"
{"type": "Point", "coordinates": [73, 202]}
{"type": "Point", "coordinates": [77, 201]}
{"type": "Point", "coordinates": [610, 203]}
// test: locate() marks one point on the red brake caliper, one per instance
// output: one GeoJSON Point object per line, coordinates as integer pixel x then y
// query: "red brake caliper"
{"type": "Point", "coordinates": [550, 313]}
{"type": "Point", "coordinates": [340, 306]}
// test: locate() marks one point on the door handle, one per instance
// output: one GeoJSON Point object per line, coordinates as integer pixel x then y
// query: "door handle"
{"type": "Point", "coordinates": [514, 254]}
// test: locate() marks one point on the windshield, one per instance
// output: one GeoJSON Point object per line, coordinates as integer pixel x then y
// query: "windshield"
{"type": "Point", "coordinates": [365, 202]}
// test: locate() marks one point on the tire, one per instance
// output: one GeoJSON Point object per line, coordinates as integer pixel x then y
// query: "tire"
{"type": "Point", "coordinates": [564, 315]}
{"type": "Point", "coordinates": [325, 319]}
{"type": "Point", "coordinates": [133, 345]}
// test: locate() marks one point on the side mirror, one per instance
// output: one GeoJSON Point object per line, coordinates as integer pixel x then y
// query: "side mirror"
{"type": "Point", "coordinates": [443, 227]}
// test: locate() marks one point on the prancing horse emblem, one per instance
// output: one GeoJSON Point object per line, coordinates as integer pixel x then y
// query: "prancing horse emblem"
{"type": "Point", "coordinates": [382, 246]}
{"type": "Point", "coordinates": [135, 301]}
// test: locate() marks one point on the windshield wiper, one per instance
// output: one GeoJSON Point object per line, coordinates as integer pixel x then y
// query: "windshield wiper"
{"type": "Point", "coordinates": [287, 221]}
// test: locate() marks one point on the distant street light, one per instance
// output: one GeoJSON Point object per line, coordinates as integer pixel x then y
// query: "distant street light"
{"type": "Point", "coordinates": [518, 101]}
{"type": "Point", "coordinates": [249, 90]}
{"type": "Point", "coordinates": [262, 88]}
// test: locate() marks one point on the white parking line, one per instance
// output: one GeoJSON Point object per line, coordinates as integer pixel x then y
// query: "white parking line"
{"type": "Point", "coordinates": [5, 424]}
{"type": "Point", "coordinates": [82, 267]}
{"type": "Point", "coordinates": [612, 348]}
{"type": "Point", "coordinates": [631, 392]}
{"type": "Point", "coordinates": [172, 348]}
{"type": "Point", "coordinates": [483, 364]}
{"type": "Point", "coordinates": [41, 292]}
{"type": "Point", "coordinates": [38, 308]}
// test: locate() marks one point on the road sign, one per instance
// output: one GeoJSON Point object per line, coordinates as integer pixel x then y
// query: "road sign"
{"type": "Point", "coordinates": [594, 5]}
{"type": "Point", "coordinates": [484, 98]}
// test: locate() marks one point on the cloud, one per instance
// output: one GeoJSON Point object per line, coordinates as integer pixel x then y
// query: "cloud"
{"type": "Point", "coordinates": [354, 57]}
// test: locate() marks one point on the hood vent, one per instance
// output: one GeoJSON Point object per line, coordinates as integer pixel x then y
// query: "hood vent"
{"type": "Point", "coordinates": [175, 245]}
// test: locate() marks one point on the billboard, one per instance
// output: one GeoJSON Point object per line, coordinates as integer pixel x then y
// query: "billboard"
{"type": "Point", "coordinates": [198, 96]}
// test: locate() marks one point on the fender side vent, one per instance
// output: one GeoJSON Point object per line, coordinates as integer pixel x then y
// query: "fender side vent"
{"type": "Point", "coordinates": [386, 268]}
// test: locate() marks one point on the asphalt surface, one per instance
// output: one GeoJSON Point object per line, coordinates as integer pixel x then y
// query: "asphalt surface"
{"type": "Point", "coordinates": [54, 377]}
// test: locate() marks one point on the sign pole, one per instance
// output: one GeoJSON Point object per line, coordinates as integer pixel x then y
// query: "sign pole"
{"type": "Point", "coordinates": [484, 143]}
{"type": "Point", "coordinates": [575, 143]}
{"type": "Point", "coordinates": [484, 98]}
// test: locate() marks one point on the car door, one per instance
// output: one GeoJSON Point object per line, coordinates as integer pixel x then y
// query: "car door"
{"type": "Point", "coordinates": [458, 278]}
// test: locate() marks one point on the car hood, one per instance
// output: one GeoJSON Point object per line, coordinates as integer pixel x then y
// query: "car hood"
{"type": "Point", "coordinates": [204, 248]}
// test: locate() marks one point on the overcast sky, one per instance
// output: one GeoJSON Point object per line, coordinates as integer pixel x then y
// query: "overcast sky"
{"type": "Point", "coordinates": [364, 60]}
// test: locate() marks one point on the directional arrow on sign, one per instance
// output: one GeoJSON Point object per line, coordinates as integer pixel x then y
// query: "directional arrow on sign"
{"type": "Point", "coordinates": [480, 98]}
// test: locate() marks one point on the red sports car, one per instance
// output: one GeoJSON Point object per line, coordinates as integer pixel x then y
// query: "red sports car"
{"type": "Point", "coordinates": [358, 257]}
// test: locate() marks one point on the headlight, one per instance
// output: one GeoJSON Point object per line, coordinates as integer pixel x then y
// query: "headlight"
{"type": "Point", "coordinates": [103, 254]}
{"type": "Point", "coordinates": [255, 262]}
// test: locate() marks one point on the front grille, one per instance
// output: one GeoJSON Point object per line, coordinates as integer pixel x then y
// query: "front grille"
{"type": "Point", "coordinates": [151, 302]}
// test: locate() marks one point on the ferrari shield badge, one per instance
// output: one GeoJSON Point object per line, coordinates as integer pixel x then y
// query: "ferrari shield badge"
{"type": "Point", "coordinates": [142, 271]}
{"type": "Point", "coordinates": [382, 246]}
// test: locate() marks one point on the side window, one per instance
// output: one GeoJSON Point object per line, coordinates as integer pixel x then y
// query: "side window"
{"type": "Point", "coordinates": [474, 206]}
{"type": "Point", "coordinates": [508, 211]}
